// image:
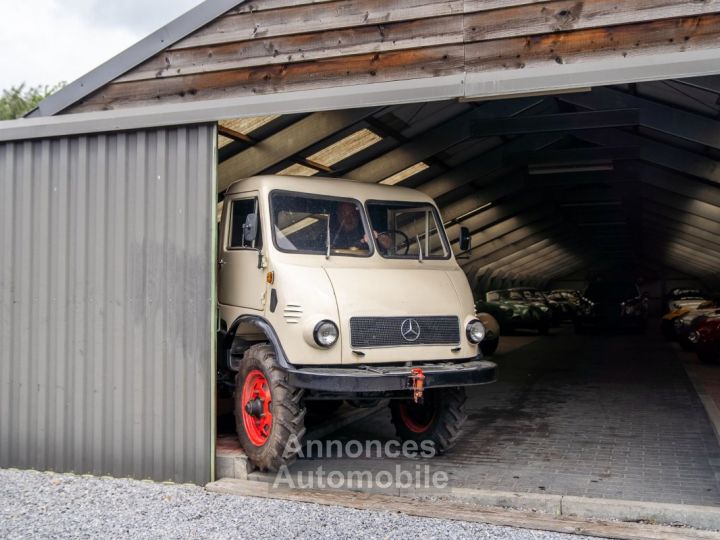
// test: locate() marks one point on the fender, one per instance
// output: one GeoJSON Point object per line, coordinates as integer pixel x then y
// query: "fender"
{"type": "Point", "coordinates": [268, 330]}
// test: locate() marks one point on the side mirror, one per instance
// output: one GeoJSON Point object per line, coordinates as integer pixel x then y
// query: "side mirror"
{"type": "Point", "coordinates": [250, 229]}
{"type": "Point", "coordinates": [464, 239]}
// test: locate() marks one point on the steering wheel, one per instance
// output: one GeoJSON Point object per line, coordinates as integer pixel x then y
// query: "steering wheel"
{"type": "Point", "coordinates": [392, 235]}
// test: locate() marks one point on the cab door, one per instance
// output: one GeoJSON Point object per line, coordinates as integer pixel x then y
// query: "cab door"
{"type": "Point", "coordinates": [241, 274]}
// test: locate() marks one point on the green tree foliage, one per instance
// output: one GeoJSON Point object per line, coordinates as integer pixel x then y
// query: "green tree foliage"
{"type": "Point", "coordinates": [19, 100]}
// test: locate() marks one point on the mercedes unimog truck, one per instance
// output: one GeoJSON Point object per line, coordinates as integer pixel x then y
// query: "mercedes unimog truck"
{"type": "Point", "coordinates": [337, 290]}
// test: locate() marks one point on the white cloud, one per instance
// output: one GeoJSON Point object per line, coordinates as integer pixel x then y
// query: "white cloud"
{"type": "Point", "coordinates": [48, 41]}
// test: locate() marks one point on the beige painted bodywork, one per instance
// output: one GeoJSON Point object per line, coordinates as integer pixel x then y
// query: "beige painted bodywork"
{"type": "Point", "coordinates": [311, 288]}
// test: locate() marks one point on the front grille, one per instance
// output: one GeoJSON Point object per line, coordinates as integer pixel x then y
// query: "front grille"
{"type": "Point", "coordinates": [388, 331]}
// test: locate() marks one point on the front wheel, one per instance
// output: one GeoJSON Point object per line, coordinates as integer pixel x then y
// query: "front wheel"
{"type": "Point", "coordinates": [269, 413]}
{"type": "Point", "coordinates": [438, 418]}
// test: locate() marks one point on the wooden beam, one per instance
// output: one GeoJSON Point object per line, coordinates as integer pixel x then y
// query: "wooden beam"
{"type": "Point", "coordinates": [547, 267]}
{"type": "Point", "coordinates": [516, 243]}
{"type": "Point", "coordinates": [316, 18]}
{"type": "Point", "coordinates": [687, 186]}
{"type": "Point", "coordinates": [654, 115]}
{"type": "Point", "coordinates": [232, 134]}
{"type": "Point", "coordinates": [495, 214]}
{"type": "Point", "coordinates": [671, 221]}
{"type": "Point", "coordinates": [569, 15]}
{"type": "Point", "coordinates": [577, 156]}
{"type": "Point", "coordinates": [555, 122]}
{"type": "Point", "coordinates": [494, 242]}
{"type": "Point", "coordinates": [711, 83]}
{"type": "Point", "coordinates": [538, 260]}
{"type": "Point", "coordinates": [282, 78]}
{"type": "Point", "coordinates": [683, 204]}
{"type": "Point", "coordinates": [494, 160]}
{"type": "Point", "coordinates": [702, 249]}
{"type": "Point", "coordinates": [663, 154]}
{"type": "Point", "coordinates": [287, 142]}
{"type": "Point", "coordinates": [522, 253]}
{"type": "Point", "coordinates": [437, 139]}
{"type": "Point", "coordinates": [594, 44]}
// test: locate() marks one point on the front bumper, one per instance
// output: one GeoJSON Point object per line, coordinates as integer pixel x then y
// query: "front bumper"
{"type": "Point", "coordinates": [363, 379]}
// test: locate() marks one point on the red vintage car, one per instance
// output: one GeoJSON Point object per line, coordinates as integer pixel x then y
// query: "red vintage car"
{"type": "Point", "coordinates": [706, 338]}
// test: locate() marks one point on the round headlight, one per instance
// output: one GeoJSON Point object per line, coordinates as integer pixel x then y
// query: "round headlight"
{"type": "Point", "coordinates": [326, 333]}
{"type": "Point", "coordinates": [475, 331]}
{"type": "Point", "coordinates": [694, 337]}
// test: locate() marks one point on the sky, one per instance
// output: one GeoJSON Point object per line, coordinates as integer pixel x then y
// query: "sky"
{"type": "Point", "coordinates": [44, 42]}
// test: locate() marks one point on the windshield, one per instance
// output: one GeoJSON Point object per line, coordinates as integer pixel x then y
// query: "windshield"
{"type": "Point", "coordinates": [307, 223]}
{"type": "Point", "coordinates": [408, 230]}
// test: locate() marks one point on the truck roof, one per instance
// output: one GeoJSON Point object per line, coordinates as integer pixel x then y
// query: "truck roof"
{"type": "Point", "coordinates": [328, 186]}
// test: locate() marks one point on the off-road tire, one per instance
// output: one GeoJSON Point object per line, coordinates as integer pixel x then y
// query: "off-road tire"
{"type": "Point", "coordinates": [488, 347]}
{"type": "Point", "coordinates": [448, 406]}
{"type": "Point", "coordinates": [287, 408]}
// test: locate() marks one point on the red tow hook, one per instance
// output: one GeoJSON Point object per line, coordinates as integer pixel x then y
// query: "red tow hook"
{"type": "Point", "coordinates": [418, 384]}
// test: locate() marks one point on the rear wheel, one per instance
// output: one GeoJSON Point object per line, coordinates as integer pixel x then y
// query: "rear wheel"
{"type": "Point", "coordinates": [269, 414]}
{"type": "Point", "coordinates": [438, 418]}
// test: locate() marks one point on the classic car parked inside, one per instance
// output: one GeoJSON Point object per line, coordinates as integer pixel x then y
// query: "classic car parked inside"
{"type": "Point", "coordinates": [685, 325]}
{"type": "Point", "coordinates": [673, 323]}
{"type": "Point", "coordinates": [614, 305]}
{"type": "Point", "coordinates": [517, 308]}
{"type": "Point", "coordinates": [706, 339]}
{"type": "Point", "coordinates": [564, 303]}
{"type": "Point", "coordinates": [680, 298]}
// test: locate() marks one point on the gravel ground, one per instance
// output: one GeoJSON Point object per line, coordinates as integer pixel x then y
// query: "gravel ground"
{"type": "Point", "coordinates": [44, 505]}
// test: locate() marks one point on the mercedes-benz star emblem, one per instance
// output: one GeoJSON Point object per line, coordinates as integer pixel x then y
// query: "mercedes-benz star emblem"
{"type": "Point", "coordinates": [410, 330]}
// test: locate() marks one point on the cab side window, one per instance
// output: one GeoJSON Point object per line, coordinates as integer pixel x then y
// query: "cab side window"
{"type": "Point", "coordinates": [239, 212]}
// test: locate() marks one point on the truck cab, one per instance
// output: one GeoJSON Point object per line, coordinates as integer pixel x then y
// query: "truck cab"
{"type": "Point", "coordinates": [332, 289]}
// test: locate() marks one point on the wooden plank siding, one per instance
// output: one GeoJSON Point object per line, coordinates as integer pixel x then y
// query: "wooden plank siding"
{"type": "Point", "coordinates": [271, 46]}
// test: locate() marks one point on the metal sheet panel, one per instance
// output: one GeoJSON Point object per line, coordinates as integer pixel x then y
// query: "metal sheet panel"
{"type": "Point", "coordinates": [106, 303]}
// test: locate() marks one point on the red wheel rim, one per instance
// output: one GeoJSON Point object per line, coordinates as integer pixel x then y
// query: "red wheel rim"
{"type": "Point", "coordinates": [256, 412]}
{"type": "Point", "coordinates": [417, 418]}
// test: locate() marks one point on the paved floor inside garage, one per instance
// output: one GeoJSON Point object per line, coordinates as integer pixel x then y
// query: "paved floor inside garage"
{"type": "Point", "coordinates": [596, 416]}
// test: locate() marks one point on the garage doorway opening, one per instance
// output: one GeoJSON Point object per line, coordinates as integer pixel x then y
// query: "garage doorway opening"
{"type": "Point", "coordinates": [616, 184]}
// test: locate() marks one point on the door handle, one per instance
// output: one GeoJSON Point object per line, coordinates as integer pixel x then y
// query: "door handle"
{"type": "Point", "coordinates": [222, 262]}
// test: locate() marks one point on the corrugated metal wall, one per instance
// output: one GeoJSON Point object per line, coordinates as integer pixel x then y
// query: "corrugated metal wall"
{"type": "Point", "coordinates": [105, 303]}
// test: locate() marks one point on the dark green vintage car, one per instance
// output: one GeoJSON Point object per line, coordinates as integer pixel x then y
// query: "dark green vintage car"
{"type": "Point", "coordinates": [517, 308]}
